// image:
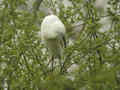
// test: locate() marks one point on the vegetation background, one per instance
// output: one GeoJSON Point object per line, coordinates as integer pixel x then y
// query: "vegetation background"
{"type": "Point", "coordinates": [91, 59]}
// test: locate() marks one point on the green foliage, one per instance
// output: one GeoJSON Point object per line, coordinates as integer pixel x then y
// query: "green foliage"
{"type": "Point", "coordinates": [25, 65]}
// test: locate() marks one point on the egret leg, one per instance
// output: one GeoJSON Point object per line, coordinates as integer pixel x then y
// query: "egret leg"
{"type": "Point", "coordinates": [60, 63]}
{"type": "Point", "coordinates": [52, 63]}
{"type": "Point", "coordinates": [64, 41]}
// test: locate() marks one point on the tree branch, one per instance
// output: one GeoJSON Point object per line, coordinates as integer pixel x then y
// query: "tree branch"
{"type": "Point", "coordinates": [38, 3]}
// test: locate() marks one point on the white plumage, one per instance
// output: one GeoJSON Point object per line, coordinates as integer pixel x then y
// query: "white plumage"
{"type": "Point", "coordinates": [53, 35]}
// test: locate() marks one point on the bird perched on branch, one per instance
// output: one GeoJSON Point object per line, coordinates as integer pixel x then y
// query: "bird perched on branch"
{"type": "Point", "coordinates": [53, 36]}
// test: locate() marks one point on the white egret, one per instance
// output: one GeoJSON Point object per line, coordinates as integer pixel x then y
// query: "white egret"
{"type": "Point", "coordinates": [53, 36]}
